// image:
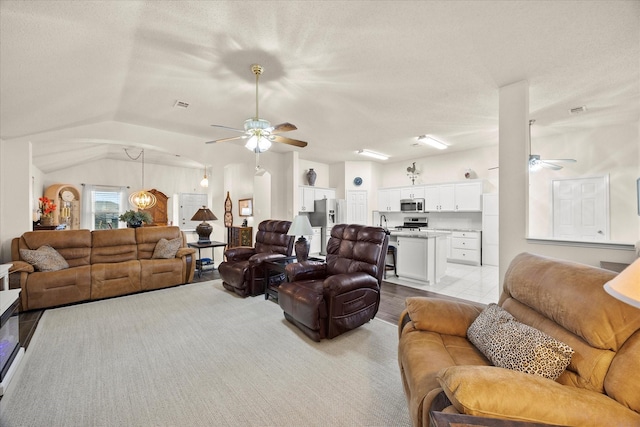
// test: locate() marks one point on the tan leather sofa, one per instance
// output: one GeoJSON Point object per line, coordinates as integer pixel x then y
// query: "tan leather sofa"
{"type": "Point", "coordinates": [102, 264]}
{"type": "Point", "coordinates": [601, 385]}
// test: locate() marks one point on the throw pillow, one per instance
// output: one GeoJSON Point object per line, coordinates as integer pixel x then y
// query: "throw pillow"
{"type": "Point", "coordinates": [510, 344]}
{"type": "Point", "coordinates": [45, 258]}
{"type": "Point", "coordinates": [167, 248]}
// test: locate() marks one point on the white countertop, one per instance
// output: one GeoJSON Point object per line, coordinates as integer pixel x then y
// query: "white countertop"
{"type": "Point", "coordinates": [421, 234]}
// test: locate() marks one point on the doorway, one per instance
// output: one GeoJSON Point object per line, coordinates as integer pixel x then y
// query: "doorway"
{"type": "Point", "coordinates": [581, 208]}
{"type": "Point", "coordinates": [357, 207]}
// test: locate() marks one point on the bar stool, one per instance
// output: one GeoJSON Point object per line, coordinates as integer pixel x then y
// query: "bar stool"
{"type": "Point", "coordinates": [391, 251]}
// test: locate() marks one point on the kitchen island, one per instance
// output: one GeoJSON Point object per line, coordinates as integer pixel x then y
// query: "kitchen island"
{"type": "Point", "coordinates": [422, 255]}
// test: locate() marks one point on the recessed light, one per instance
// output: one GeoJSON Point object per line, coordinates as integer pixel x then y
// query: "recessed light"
{"type": "Point", "coordinates": [429, 140]}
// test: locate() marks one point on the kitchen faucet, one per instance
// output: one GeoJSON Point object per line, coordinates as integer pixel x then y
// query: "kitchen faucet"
{"type": "Point", "coordinates": [385, 221]}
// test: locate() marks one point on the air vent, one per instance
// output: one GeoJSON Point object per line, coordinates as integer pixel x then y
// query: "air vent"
{"type": "Point", "coordinates": [578, 110]}
{"type": "Point", "coordinates": [181, 104]}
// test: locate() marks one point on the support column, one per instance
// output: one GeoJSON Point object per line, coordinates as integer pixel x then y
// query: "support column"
{"type": "Point", "coordinates": [513, 151]}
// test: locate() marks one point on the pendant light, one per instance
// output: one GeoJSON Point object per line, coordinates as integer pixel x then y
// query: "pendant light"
{"type": "Point", "coordinates": [205, 181]}
{"type": "Point", "coordinates": [141, 199]}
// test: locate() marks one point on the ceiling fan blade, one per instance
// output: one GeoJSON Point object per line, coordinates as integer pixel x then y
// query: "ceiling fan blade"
{"type": "Point", "coordinates": [227, 139]}
{"type": "Point", "coordinates": [560, 160]}
{"type": "Point", "coordinates": [283, 127]}
{"type": "Point", "coordinates": [285, 140]}
{"type": "Point", "coordinates": [547, 165]}
{"type": "Point", "coordinates": [229, 128]}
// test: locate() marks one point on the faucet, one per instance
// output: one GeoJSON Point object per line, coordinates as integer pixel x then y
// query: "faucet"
{"type": "Point", "coordinates": [385, 220]}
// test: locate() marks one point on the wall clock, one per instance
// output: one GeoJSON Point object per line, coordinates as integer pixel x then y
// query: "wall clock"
{"type": "Point", "coordinates": [68, 196]}
{"type": "Point", "coordinates": [357, 181]}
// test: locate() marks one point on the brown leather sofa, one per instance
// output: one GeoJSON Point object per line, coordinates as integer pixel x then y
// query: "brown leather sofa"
{"type": "Point", "coordinates": [327, 299]}
{"type": "Point", "coordinates": [243, 272]}
{"type": "Point", "coordinates": [565, 300]}
{"type": "Point", "coordinates": [102, 264]}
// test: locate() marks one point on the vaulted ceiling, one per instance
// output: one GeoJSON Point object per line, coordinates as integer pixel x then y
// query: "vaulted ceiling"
{"type": "Point", "coordinates": [82, 79]}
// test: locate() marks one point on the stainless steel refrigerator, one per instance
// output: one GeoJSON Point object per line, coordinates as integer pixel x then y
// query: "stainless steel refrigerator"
{"type": "Point", "coordinates": [327, 213]}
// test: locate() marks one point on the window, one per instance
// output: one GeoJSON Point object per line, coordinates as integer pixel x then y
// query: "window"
{"type": "Point", "coordinates": [103, 205]}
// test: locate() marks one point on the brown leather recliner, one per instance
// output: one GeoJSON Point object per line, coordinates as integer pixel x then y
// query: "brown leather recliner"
{"type": "Point", "coordinates": [327, 299]}
{"type": "Point", "coordinates": [242, 272]}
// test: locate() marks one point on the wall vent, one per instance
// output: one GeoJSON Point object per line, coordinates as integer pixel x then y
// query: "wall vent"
{"type": "Point", "coordinates": [578, 110]}
{"type": "Point", "coordinates": [181, 104]}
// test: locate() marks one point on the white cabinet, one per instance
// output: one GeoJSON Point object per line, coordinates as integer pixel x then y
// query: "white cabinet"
{"type": "Point", "coordinates": [316, 241]}
{"type": "Point", "coordinates": [389, 200]}
{"type": "Point", "coordinates": [465, 247]}
{"type": "Point", "coordinates": [412, 258]}
{"type": "Point", "coordinates": [416, 192]}
{"type": "Point", "coordinates": [309, 194]}
{"type": "Point", "coordinates": [439, 198]}
{"type": "Point", "coordinates": [454, 197]}
{"type": "Point", "coordinates": [324, 193]}
{"type": "Point", "coordinates": [306, 198]}
{"type": "Point", "coordinates": [468, 196]}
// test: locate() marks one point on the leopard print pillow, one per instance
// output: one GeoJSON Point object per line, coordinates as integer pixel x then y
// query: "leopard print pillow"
{"type": "Point", "coordinates": [510, 344]}
{"type": "Point", "coordinates": [167, 248]}
{"type": "Point", "coordinates": [45, 258]}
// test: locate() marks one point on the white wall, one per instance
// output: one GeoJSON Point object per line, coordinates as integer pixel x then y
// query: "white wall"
{"type": "Point", "coordinates": [514, 146]}
{"type": "Point", "coordinates": [16, 201]}
{"type": "Point", "coordinates": [612, 151]}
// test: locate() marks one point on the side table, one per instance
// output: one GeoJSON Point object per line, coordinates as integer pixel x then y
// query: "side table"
{"type": "Point", "coordinates": [279, 266]}
{"type": "Point", "coordinates": [202, 262]}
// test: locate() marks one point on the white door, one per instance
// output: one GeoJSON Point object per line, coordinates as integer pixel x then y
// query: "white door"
{"type": "Point", "coordinates": [357, 207]}
{"type": "Point", "coordinates": [581, 208]}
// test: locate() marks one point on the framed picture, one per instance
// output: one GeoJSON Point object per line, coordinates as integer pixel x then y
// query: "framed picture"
{"type": "Point", "coordinates": [245, 207]}
{"type": "Point", "coordinates": [638, 190]}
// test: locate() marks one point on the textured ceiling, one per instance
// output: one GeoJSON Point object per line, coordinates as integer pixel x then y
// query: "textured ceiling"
{"type": "Point", "coordinates": [349, 75]}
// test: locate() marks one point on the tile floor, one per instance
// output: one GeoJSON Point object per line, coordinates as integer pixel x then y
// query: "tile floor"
{"type": "Point", "coordinates": [473, 283]}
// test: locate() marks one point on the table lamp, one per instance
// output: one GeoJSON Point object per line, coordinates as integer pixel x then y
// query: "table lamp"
{"type": "Point", "coordinates": [204, 229]}
{"type": "Point", "coordinates": [301, 227]}
{"type": "Point", "coordinates": [626, 285]}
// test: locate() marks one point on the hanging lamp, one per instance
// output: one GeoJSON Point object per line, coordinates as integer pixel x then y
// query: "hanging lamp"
{"type": "Point", "coordinates": [141, 199]}
{"type": "Point", "coordinates": [205, 181]}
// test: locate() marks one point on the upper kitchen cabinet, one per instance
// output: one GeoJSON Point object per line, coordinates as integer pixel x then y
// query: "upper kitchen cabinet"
{"type": "Point", "coordinates": [414, 192]}
{"type": "Point", "coordinates": [389, 200]}
{"type": "Point", "coordinates": [454, 197]}
{"type": "Point", "coordinates": [324, 193]}
{"type": "Point", "coordinates": [439, 198]}
{"type": "Point", "coordinates": [306, 198]}
{"type": "Point", "coordinates": [469, 196]}
{"type": "Point", "coordinates": [309, 194]}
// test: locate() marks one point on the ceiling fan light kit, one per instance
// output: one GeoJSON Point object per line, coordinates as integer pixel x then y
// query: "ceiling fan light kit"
{"type": "Point", "coordinates": [429, 140]}
{"type": "Point", "coordinates": [259, 132]}
{"type": "Point", "coordinates": [536, 163]}
{"type": "Point", "coordinates": [373, 154]}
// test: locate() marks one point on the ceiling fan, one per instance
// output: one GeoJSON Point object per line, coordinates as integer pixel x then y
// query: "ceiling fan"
{"type": "Point", "coordinates": [536, 163]}
{"type": "Point", "coordinates": [259, 132]}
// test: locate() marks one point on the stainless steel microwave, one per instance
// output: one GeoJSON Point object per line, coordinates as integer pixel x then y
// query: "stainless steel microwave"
{"type": "Point", "coordinates": [412, 205]}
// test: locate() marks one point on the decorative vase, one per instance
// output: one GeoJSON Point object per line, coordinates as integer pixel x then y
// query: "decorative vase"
{"type": "Point", "coordinates": [302, 249]}
{"type": "Point", "coordinates": [311, 177]}
{"type": "Point", "coordinates": [134, 224]}
{"type": "Point", "coordinates": [46, 221]}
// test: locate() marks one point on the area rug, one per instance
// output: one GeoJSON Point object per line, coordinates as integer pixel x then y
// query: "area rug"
{"type": "Point", "coordinates": [197, 355]}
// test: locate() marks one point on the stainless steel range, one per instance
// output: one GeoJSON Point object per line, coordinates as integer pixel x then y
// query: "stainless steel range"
{"type": "Point", "coordinates": [414, 223]}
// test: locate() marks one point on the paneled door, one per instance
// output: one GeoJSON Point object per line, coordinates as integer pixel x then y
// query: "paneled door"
{"type": "Point", "coordinates": [357, 207]}
{"type": "Point", "coordinates": [581, 208]}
